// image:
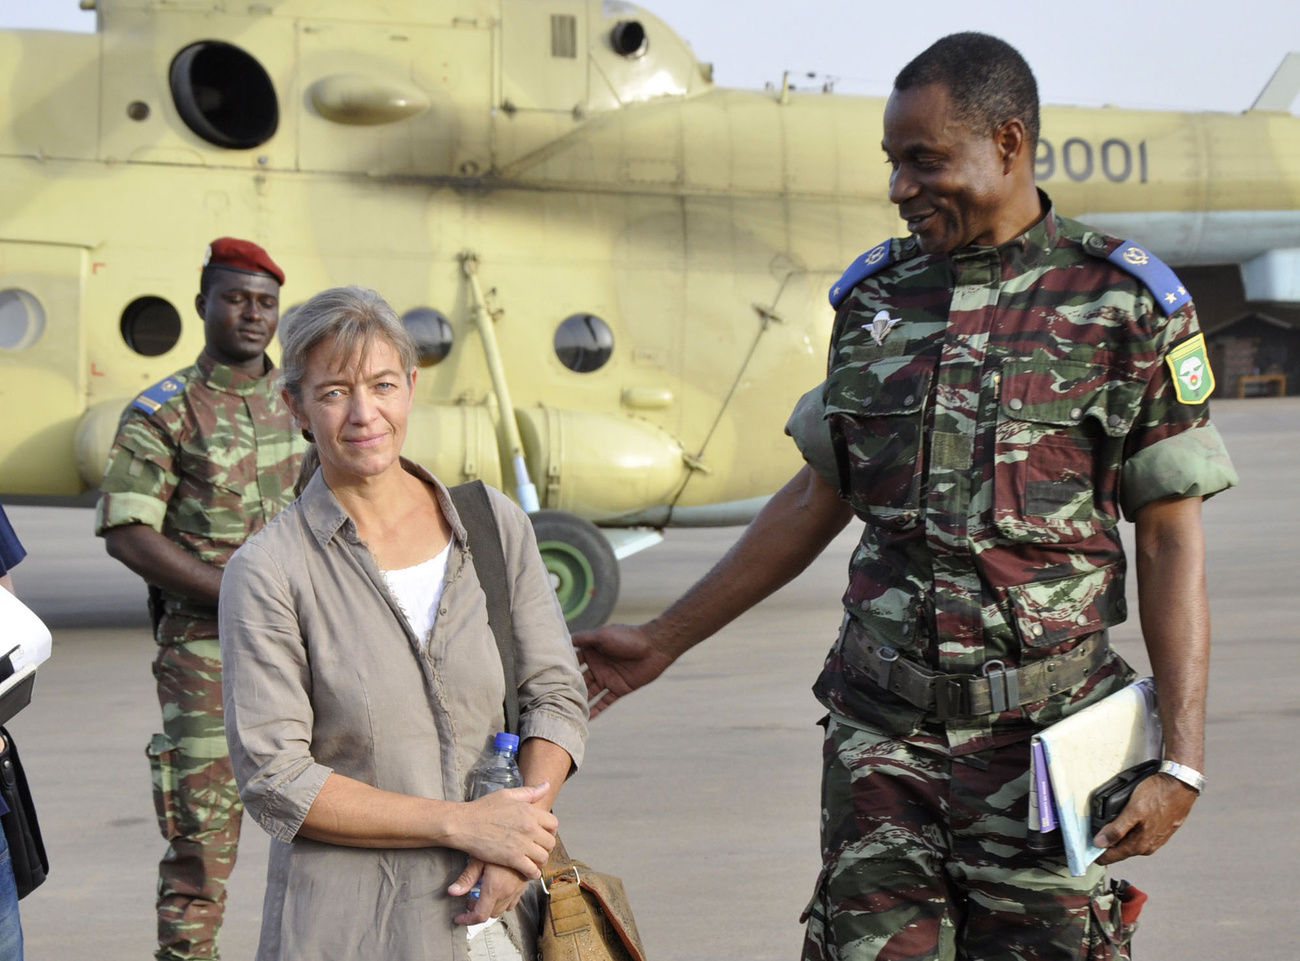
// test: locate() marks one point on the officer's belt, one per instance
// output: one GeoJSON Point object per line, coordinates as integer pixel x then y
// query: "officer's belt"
{"type": "Point", "coordinates": [971, 695]}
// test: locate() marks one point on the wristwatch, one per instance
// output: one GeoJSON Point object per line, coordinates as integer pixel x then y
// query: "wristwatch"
{"type": "Point", "coordinates": [1193, 778]}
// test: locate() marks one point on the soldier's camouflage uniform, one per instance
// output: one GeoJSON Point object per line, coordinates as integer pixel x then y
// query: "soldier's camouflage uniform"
{"type": "Point", "coordinates": [206, 457]}
{"type": "Point", "coordinates": [990, 440]}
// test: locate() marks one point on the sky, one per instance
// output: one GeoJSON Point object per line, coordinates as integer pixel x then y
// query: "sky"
{"type": "Point", "coordinates": [1159, 54]}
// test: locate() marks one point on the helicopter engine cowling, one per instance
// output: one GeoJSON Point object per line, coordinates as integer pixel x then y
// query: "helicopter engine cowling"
{"type": "Point", "coordinates": [457, 442]}
{"type": "Point", "coordinates": [604, 467]}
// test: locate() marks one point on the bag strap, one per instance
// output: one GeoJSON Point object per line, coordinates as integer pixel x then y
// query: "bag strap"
{"type": "Point", "coordinates": [475, 510]}
{"type": "Point", "coordinates": [558, 863]}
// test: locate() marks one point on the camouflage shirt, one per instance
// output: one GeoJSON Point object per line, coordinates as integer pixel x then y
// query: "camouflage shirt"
{"type": "Point", "coordinates": [990, 440]}
{"type": "Point", "coordinates": [206, 457]}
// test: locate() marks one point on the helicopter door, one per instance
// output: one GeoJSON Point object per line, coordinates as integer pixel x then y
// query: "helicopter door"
{"type": "Point", "coordinates": [42, 367]}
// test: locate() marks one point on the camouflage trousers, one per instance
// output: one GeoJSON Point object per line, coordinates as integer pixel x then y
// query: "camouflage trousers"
{"type": "Point", "coordinates": [195, 796]}
{"type": "Point", "coordinates": [924, 859]}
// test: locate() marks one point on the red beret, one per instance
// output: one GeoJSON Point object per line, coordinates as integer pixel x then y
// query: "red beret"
{"type": "Point", "coordinates": [241, 255]}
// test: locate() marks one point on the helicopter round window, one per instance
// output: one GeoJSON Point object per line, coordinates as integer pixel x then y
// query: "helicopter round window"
{"type": "Point", "coordinates": [22, 319]}
{"type": "Point", "coordinates": [432, 334]}
{"type": "Point", "coordinates": [584, 343]}
{"type": "Point", "coordinates": [629, 39]}
{"type": "Point", "coordinates": [224, 95]}
{"type": "Point", "coordinates": [150, 326]}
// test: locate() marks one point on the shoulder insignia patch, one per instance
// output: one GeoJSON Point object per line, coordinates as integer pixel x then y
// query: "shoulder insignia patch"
{"type": "Point", "coordinates": [873, 261]}
{"type": "Point", "coordinates": [1158, 277]}
{"type": "Point", "coordinates": [1193, 379]}
{"type": "Point", "coordinates": [152, 400]}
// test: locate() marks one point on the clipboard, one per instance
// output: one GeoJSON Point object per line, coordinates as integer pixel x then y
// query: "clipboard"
{"type": "Point", "coordinates": [1080, 754]}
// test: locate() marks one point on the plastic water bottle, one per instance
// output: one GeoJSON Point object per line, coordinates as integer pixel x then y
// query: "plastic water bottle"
{"type": "Point", "coordinates": [496, 771]}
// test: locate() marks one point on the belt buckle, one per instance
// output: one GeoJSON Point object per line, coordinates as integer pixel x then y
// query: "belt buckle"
{"type": "Point", "coordinates": [951, 696]}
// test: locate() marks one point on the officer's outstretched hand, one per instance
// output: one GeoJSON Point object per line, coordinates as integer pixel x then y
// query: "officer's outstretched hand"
{"type": "Point", "coordinates": [617, 659]}
{"type": "Point", "coordinates": [1157, 809]}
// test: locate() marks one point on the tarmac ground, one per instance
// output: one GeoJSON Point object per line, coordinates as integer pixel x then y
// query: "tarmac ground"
{"type": "Point", "coordinates": [701, 791]}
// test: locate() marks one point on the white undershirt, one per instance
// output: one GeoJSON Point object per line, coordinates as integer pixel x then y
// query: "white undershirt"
{"type": "Point", "coordinates": [418, 590]}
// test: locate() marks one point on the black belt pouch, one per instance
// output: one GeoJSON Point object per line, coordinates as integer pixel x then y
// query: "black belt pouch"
{"type": "Point", "coordinates": [26, 849]}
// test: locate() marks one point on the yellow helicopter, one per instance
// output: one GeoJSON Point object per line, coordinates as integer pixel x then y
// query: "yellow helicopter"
{"type": "Point", "coordinates": [616, 270]}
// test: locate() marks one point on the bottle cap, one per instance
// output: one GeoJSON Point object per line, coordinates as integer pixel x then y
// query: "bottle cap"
{"type": "Point", "coordinates": [504, 741]}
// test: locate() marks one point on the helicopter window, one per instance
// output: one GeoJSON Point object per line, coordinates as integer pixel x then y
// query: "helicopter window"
{"type": "Point", "coordinates": [564, 36]}
{"type": "Point", "coordinates": [584, 343]}
{"type": "Point", "coordinates": [22, 319]}
{"type": "Point", "coordinates": [150, 326]}
{"type": "Point", "coordinates": [224, 95]}
{"type": "Point", "coordinates": [432, 334]}
{"type": "Point", "coordinates": [629, 39]}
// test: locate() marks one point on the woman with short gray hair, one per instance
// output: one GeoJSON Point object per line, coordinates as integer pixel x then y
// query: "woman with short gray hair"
{"type": "Point", "coordinates": [362, 680]}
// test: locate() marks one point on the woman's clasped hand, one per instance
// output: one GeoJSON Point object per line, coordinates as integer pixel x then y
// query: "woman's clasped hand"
{"type": "Point", "coordinates": [508, 842]}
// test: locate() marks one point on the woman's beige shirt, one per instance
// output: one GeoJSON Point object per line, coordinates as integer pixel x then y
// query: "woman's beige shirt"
{"type": "Point", "coordinates": [322, 673]}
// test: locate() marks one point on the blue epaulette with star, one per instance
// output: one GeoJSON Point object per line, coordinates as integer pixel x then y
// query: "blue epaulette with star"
{"type": "Point", "coordinates": [873, 261]}
{"type": "Point", "coordinates": [152, 400]}
{"type": "Point", "coordinates": [1159, 278]}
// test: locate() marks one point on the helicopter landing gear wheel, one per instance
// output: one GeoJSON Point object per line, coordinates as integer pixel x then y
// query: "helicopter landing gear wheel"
{"type": "Point", "coordinates": [581, 565]}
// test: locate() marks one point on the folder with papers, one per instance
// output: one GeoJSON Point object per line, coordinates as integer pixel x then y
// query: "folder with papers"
{"type": "Point", "coordinates": [25, 644]}
{"type": "Point", "coordinates": [1077, 755]}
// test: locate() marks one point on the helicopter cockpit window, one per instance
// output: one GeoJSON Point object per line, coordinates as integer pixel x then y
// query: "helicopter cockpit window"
{"type": "Point", "coordinates": [584, 343]}
{"type": "Point", "coordinates": [22, 319]}
{"type": "Point", "coordinates": [150, 326]}
{"type": "Point", "coordinates": [432, 334]}
{"type": "Point", "coordinates": [224, 95]}
{"type": "Point", "coordinates": [629, 39]}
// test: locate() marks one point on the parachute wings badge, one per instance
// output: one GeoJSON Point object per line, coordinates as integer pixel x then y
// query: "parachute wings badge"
{"type": "Point", "coordinates": [881, 325]}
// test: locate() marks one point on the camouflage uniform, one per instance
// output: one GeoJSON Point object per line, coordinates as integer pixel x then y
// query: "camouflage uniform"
{"type": "Point", "coordinates": [206, 457]}
{"type": "Point", "coordinates": [990, 439]}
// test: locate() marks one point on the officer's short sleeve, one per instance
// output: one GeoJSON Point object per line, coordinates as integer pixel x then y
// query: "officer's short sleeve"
{"type": "Point", "coordinates": [1172, 450]}
{"type": "Point", "coordinates": [11, 549]}
{"type": "Point", "coordinates": [139, 478]}
{"type": "Point", "coordinates": [812, 435]}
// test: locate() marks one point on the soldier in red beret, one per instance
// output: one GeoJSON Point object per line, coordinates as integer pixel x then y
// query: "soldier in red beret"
{"type": "Point", "coordinates": [202, 459]}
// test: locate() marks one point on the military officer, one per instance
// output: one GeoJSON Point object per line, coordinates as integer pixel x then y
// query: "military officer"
{"type": "Point", "coordinates": [202, 459]}
{"type": "Point", "coordinates": [1002, 386]}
